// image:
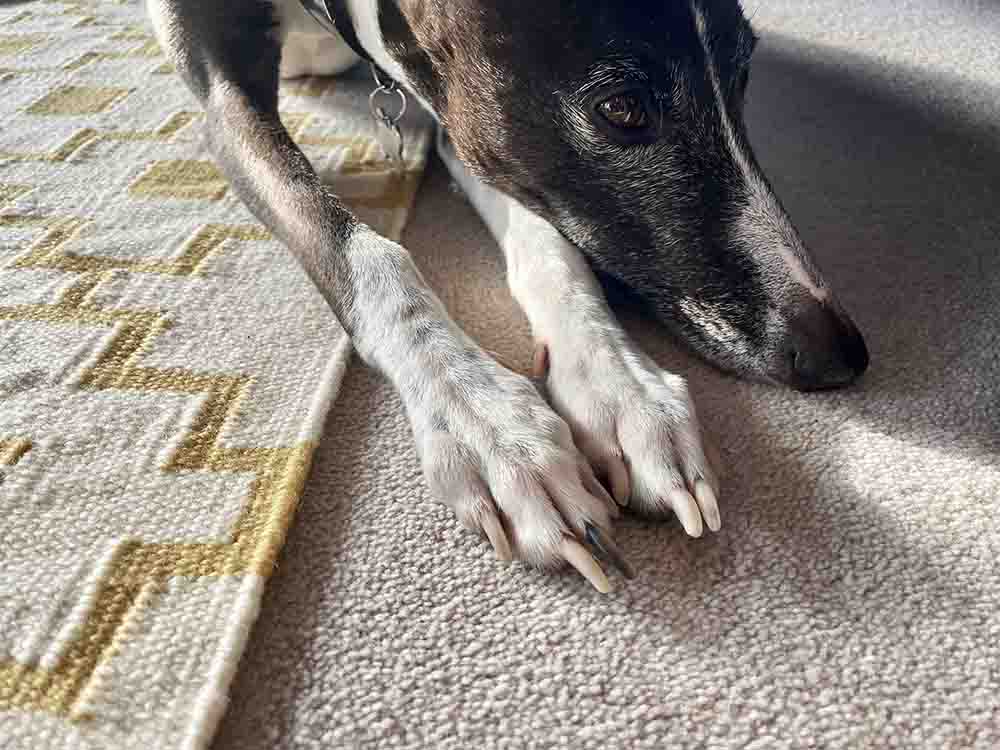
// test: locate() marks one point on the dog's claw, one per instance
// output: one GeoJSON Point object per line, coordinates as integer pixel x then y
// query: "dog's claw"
{"type": "Point", "coordinates": [498, 538]}
{"type": "Point", "coordinates": [576, 555]}
{"type": "Point", "coordinates": [620, 484]}
{"type": "Point", "coordinates": [610, 551]}
{"type": "Point", "coordinates": [708, 503]}
{"type": "Point", "coordinates": [687, 511]}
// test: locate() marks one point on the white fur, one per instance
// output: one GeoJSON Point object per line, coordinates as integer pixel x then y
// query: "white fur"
{"type": "Point", "coordinates": [309, 49]}
{"type": "Point", "coordinates": [306, 47]}
{"type": "Point", "coordinates": [621, 406]}
{"type": "Point", "coordinates": [164, 24]}
{"type": "Point", "coordinates": [712, 321]}
{"type": "Point", "coordinates": [366, 25]}
{"type": "Point", "coordinates": [490, 445]}
{"type": "Point", "coordinates": [311, 54]}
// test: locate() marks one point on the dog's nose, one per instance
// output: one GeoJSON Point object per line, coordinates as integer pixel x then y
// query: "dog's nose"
{"type": "Point", "coordinates": [823, 348]}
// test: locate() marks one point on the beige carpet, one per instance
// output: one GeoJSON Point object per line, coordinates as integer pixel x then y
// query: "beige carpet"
{"type": "Point", "coordinates": [165, 369]}
{"type": "Point", "coordinates": [853, 598]}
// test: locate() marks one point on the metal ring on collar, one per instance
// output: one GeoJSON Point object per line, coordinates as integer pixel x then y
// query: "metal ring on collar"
{"type": "Point", "coordinates": [379, 113]}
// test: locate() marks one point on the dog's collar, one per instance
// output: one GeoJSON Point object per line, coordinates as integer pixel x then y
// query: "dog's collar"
{"type": "Point", "coordinates": [333, 16]}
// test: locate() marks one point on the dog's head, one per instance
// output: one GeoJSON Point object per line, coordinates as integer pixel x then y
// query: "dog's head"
{"type": "Point", "coordinates": [622, 124]}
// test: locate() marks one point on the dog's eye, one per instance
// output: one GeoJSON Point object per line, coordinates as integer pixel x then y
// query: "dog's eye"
{"type": "Point", "coordinates": [626, 111]}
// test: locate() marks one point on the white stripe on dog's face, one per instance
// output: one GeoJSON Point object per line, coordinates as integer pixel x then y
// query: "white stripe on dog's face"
{"type": "Point", "coordinates": [762, 224]}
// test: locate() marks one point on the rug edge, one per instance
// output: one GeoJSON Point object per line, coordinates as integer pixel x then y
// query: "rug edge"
{"type": "Point", "coordinates": [212, 699]}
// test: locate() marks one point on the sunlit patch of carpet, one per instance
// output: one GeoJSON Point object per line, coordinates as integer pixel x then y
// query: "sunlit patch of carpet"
{"type": "Point", "coordinates": [165, 371]}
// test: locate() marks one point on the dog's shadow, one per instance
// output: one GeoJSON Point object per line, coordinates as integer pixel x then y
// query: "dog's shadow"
{"type": "Point", "coordinates": [894, 186]}
{"type": "Point", "coordinates": [893, 178]}
{"type": "Point", "coordinates": [891, 189]}
{"type": "Point", "coordinates": [893, 182]}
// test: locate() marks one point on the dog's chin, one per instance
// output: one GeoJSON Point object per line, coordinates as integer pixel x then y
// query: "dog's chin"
{"type": "Point", "coordinates": [774, 371]}
{"type": "Point", "coordinates": [809, 373]}
{"type": "Point", "coordinates": [820, 348]}
{"type": "Point", "coordinates": [815, 370]}
{"type": "Point", "coordinates": [805, 367]}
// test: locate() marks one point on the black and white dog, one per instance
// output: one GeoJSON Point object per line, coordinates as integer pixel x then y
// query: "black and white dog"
{"type": "Point", "coordinates": [591, 135]}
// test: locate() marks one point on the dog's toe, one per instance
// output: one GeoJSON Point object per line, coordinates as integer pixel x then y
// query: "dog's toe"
{"type": "Point", "coordinates": [638, 428]}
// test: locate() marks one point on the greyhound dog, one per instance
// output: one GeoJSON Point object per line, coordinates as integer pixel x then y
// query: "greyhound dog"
{"type": "Point", "coordinates": [596, 138]}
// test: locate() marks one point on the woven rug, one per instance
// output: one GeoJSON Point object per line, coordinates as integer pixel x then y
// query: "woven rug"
{"type": "Point", "coordinates": [165, 371]}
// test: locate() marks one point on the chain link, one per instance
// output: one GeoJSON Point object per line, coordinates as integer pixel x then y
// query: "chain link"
{"type": "Point", "coordinates": [387, 120]}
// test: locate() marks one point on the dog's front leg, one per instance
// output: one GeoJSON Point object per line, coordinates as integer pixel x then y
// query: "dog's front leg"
{"type": "Point", "coordinates": [635, 422]}
{"type": "Point", "coordinates": [491, 448]}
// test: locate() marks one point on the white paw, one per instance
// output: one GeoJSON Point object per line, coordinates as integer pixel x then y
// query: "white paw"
{"type": "Point", "coordinates": [505, 463]}
{"type": "Point", "coordinates": [635, 423]}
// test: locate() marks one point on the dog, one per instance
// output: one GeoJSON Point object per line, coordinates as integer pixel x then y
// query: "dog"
{"type": "Point", "coordinates": [597, 140]}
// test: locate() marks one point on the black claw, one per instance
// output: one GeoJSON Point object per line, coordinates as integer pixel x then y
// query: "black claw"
{"type": "Point", "coordinates": [608, 550]}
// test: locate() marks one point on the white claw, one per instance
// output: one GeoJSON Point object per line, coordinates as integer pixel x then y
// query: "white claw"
{"type": "Point", "coordinates": [498, 538]}
{"type": "Point", "coordinates": [687, 511]}
{"type": "Point", "coordinates": [708, 503]}
{"type": "Point", "coordinates": [575, 554]}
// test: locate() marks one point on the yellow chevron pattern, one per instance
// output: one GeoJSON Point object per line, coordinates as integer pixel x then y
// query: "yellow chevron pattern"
{"type": "Point", "coordinates": [280, 472]}
{"type": "Point", "coordinates": [100, 150]}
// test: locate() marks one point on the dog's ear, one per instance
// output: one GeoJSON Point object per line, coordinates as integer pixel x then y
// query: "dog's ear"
{"type": "Point", "coordinates": [403, 28]}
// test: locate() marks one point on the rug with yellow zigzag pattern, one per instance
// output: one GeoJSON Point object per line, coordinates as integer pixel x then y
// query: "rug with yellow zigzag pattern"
{"type": "Point", "coordinates": [165, 370]}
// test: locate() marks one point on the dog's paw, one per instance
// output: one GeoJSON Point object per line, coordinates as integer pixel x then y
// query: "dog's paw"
{"type": "Point", "coordinates": [497, 455]}
{"type": "Point", "coordinates": [637, 426]}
